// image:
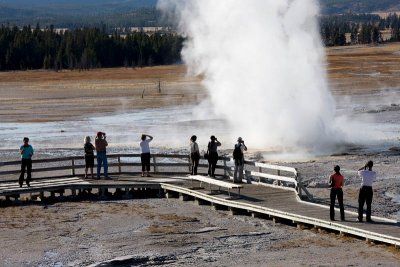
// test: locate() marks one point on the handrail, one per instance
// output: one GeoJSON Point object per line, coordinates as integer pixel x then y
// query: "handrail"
{"type": "Point", "coordinates": [261, 172]}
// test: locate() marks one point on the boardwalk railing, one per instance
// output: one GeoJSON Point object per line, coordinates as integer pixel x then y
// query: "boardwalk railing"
{"type": "Point", "coordinates": [166, 164]}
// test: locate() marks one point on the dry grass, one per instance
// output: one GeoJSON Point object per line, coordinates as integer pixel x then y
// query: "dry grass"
{"type": "Point", "coordinates": [40, 96]}
{"type": "Point", "coordinates": [360, 69]}
{"type": "Point", "coordinates": [177, 218]}
{"type": "Point", "coordinates": [156, 229]}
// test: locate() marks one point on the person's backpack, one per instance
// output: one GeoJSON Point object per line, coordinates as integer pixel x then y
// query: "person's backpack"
{"type": "Point", "coordinates": [237, 152]}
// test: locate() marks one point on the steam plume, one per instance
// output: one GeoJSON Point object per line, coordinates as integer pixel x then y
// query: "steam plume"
{"type": "Point", "coordinates": [264, 68]}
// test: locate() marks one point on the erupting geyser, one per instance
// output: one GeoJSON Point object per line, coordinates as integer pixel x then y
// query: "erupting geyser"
{"type": "Point", "coordinates": [264, 68]}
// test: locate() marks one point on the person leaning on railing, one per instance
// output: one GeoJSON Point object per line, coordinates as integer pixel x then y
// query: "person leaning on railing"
{"type": "Point", "coordinates": [26, 151]}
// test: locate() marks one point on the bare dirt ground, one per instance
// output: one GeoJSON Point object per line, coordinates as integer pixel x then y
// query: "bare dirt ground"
{"type": "Point", "coordinates": [169, 233]}
{"type": "Point", "coordinates": [175, 233]}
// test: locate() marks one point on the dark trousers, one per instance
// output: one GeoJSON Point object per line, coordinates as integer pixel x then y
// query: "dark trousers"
{"type": "Point", "coordinates": [25, 164]}
{"type": "Point", "coordinates": [212, 163]}
{"type": "Point", "coordinates": [195, 157]}
{"type": "Point", "coordinates": [145, 158]}
{"type": "Point", "coordinates": [365, 195]}
{"type": "Point", "coordinates": [339, 193]}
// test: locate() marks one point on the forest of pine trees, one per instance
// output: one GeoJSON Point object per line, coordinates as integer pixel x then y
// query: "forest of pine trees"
{"type": "Point", "coordinates": [363, 28]}
{"type": "Point", "coordinates": [26, 48]}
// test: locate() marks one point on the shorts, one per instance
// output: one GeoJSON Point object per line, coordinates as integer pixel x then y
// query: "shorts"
{"type": "Point", "coordinates": [89, 161]}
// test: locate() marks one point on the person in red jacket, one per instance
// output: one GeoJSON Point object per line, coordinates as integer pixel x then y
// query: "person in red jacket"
{"type": "Point", "coordinates": [336, 182]}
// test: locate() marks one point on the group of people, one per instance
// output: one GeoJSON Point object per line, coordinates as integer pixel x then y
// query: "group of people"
{"type": "Point", "coordinates": [101, 152]}
{"type": "Point", "coordinates": [212, 156]}
{"type": "Point", "coordinates": [336, 182]}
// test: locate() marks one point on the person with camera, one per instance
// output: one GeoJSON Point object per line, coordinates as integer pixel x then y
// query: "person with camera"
{"type": "Point", "coordinates": [101, 153]}
{"type": "Point", "coordinates": [26, 151]}
{"type": "Point", "coordinates": [145, 153]}
{"type": "Point", "coordinates": [212, 155]}
{"type": "Point", "coordinates": [238, 157]}
{"type": "Point", "coordinates": [368, 176]}
{"type": "Point", "coordinates": [336, 182]}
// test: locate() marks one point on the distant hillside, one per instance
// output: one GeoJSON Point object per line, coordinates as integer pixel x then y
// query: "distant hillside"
{"type": "Point", "coordinates": [127, 13]}
{"type": "Point", "coordinates": [78, 13]}
{"type": "Point", "coordinates": [358, 6]}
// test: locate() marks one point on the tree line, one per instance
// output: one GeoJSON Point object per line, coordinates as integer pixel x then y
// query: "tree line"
{"type": "Point", "coordinates": [26, 48]}
{"type": "Point", "coordinates": [362, 29]}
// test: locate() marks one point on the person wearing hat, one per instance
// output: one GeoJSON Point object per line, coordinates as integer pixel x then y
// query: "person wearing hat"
{"type": "Point", "coordinates": [368, 176]}
{"type": "Point", "coordinates": [26, 152]}
{"type": "Point", "coordinates": [101, 153]}
{"type": "Point", "coordinates": [238, 157]}
{"type": "Point", "coordinates": [212, 150]}
{"type": "Point", "coordinates": [336, 182]}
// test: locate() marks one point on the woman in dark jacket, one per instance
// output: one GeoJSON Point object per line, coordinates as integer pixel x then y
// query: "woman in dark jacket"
{"type": "Point", "coordinates": [212, 155]}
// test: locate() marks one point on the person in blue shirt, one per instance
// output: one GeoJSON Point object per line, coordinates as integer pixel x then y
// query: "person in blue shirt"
{"type": "Point", "coordinates": [26, 152]}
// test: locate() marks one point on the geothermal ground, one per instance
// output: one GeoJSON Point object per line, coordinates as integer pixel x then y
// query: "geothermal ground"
{"type": "Point", "coordinates": [365, 82]}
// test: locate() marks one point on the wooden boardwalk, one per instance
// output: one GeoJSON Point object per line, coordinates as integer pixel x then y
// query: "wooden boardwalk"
{"type": "Point", "coordinates": [274, 202]}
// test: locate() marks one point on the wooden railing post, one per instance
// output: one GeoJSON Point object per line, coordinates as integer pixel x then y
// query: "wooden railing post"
{"type": "Point", "coordinates": [279, 174]}
{"type": "Point", "coordinates": [298, 179]}
{"type": "Point", "coordinates": [190, 164]}
{"type": "Point", "coordinates": [155, 164]}
{"type": "Point", "coordinates": [225, 173]}
{"type": "Point", "coordinates": [73, 167]}
{"type": "Point", "coordinates": [119, 164]}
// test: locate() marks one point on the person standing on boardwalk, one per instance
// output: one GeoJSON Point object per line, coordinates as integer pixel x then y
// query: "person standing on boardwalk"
{"type": "Point", "coordinates": [238, 157]}
{"type": "Point", "coordinates": [101, 152]}
{"type": "Point", "coordinates": [194, 154]}
{"type": "Point", "coordinates": [368, 177]}
{"type": "Point", "coordinates": [145, 153]}
{"type": "Point", "coordinates": [26, 151]}
{"type": "Point", "coordinates": [89, 156]}
{"type": "Point", "coordinates": [336, 182]}
{"type": "Point", "coordinates": [212, 155]}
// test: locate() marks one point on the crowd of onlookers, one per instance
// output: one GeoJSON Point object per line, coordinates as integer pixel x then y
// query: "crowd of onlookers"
{"type": "Point", "coordinates": [336, 180]}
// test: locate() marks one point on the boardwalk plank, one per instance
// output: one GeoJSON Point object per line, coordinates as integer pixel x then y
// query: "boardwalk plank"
{"type": "Point", "coordinates": [277, 201]}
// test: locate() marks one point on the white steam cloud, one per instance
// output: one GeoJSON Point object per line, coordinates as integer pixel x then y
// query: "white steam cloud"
{"type": "Point", "coordinates": [264, 68]}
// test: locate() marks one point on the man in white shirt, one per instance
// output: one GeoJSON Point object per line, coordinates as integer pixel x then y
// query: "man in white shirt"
{"type": "Point", "coordinates": [145, 153]}
{"type": "Point", "coordinates": [368, 177]}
